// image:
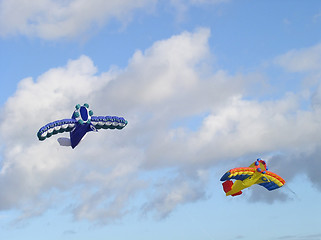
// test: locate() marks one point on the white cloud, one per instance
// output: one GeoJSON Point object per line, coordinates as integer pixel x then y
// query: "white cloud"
{"type": "Point", "coordinates": [301, 60]}
{"type": "Point", "coordinates": [103, 171]}
{"type": "Point", "coordinates": [50, 19]}
{"type": "Point", "coordinates": [181, 6]}
{"type": "Point", "coordinates": [107, 175]}
{"type": "Point", "coordinates": [173, 194]}
{"type": "Point", "coordinates": [240, 128]}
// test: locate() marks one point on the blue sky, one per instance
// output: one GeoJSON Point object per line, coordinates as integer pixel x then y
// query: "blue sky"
{"type": "Point", "coordinates": [206, 86]}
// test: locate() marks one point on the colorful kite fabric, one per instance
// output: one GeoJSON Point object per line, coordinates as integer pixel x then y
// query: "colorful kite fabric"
{"type": "Point", "coordinates": [256, 173]}
{"type": "Point", "coordinates": [81, 122]}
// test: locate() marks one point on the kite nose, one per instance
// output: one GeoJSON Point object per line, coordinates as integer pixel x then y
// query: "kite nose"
{"type": "Point", "coordinates": [84, 113]}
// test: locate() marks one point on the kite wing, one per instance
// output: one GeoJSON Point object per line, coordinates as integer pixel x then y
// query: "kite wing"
{"type": "Point", "coordinates": [64, 125]}
{"type": "Point", "coordinates": [271, 181]}
{"type": "Point", "coordinates": [108, 122]}
{"type": "Point", "coordinates": [238, 173]}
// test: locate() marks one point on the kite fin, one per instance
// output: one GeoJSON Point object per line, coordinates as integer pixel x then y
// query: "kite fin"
{"type": "Point", "coordinates": [63, 141]}
{"type": "Point", "coordinates": [227, 186]}
{"type": "Point", "coordinates": [236, 194]}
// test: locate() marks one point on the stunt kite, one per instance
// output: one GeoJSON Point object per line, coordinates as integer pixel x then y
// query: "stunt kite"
{"type": "Point", "coordinates": [81, 122]}
{"type": "Point", "coordinates": [256, 173]}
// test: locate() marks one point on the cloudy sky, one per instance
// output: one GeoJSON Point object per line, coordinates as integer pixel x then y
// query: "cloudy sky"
{"type": "Point", "coordinates": [206, 86]}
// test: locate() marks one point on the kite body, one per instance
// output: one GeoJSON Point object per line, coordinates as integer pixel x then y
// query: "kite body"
{"type": "Point", "coordinates": [79, 131]}
{"type": "Point", "coordinates": [81, 122]}
{"type": "Point", "coordinates": [256, 173]}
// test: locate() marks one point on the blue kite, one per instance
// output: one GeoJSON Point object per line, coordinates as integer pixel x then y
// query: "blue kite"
{"type": "Point", "coordinates": [81, 122]}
